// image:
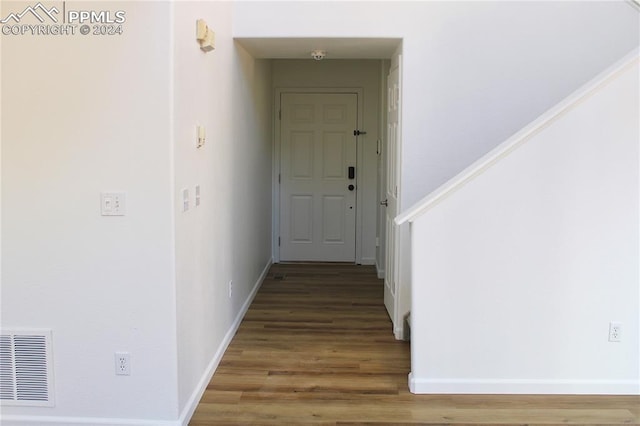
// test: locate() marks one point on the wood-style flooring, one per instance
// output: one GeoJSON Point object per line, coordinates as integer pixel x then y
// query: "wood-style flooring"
{"type": "Point", "coordinates": [316, 347]}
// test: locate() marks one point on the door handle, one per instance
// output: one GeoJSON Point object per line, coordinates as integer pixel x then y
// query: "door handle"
{"type": "Point", "coordinates": [351, 187]}
{"type": "Point", "coordinates": [384, 203]}
{"type": "Point", "coordinates": [352, 172]}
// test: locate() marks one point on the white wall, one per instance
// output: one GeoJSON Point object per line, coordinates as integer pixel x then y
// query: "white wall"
{"type": "Point", "coordinates": [474, 72]}
{"type": "Point", "coordinates": [517, 273]}
{"type": "Point", "coordinates": [203, 262]}
{"type": "Point", "coordinates": [81, 115]}
{"type": "Point", "coordinates": [497, 66]}
{"type": "Point", "coordinates": [86, 114]}
{"type": "Point", "coordinates": [226, 238]}
{"type": "Point", "coordinates": [251, 171]}
{"type": "Point", "coordinates": [364, 74]}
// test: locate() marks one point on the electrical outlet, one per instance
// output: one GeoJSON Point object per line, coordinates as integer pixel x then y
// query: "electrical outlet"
{"type": "Point", "coordinates": [615, 331]}
{"type": "Point", "coordinates": [123, 364]}
{"type": "Point", "coordinates": [230, 289]}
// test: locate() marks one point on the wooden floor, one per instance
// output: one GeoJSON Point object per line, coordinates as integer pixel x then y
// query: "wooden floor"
{"type": "Point", "coordinates": [316, 346]}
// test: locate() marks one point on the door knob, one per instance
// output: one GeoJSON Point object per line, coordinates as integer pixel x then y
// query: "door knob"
{"type": "Point", "coordinates": [351, 187]}
{"type": "Point", "coordinates": [384, 203]}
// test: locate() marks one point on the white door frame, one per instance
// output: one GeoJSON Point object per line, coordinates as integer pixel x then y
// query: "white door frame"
{"type": "Point", "coordinates": [276, 162]}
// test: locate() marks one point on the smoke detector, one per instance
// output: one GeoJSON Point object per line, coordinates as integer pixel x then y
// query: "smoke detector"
{"type": "Point", "coordinates": [318, 55]}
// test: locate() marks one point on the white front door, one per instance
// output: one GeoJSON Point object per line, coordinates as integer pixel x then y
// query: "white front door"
{"type": "Point", "coordinates": [318, 177]}
{"type": "Point", "coordinates": [392, 188]}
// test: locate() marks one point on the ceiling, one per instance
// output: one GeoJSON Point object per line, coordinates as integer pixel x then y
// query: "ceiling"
{"type": "Point", "coordinates": [335, 48]}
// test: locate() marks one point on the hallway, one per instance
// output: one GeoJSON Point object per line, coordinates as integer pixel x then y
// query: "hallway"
{"type": "Point", "coordinates": [316, 346]}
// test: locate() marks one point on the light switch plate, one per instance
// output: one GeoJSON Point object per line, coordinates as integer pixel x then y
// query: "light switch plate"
{"type": "Point", "coordinates": [200, 136]}
{"type": "Point", "coordinates": [113, 203]}
{"type": "Point", "coordinates": [185, 200]}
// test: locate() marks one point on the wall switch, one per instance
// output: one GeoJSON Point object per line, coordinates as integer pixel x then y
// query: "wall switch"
{"type": "Point", "coordinates": [615, 331]}
{"type": "Point", "coordinates": [185, 200]}
{"type": "Point", "coordinates": [197, 195]}
{"type": "Point", "coordinates": [230, 289]}
{"type": "Point", "coordinates": [123, 364]}
{"type": "Point", "coordinates": [112, 203]}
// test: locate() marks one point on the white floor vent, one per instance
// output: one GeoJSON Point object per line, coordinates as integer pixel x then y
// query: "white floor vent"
{"type": "Point", "coordinates": [25, 368]}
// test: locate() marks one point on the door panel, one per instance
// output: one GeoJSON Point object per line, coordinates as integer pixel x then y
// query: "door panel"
{"type": "Point", "coordinates": [301, 218]}
{"type": "Point", "coordinates": [392, 188]}
{"type": "Point", "coordinates": [334, 149]}
{"type": "Point", "coordinates": [301, 165]}
{"type": "Point", "coordinates": [317, 209]}
{"type": "Point", "coordinates": [333, 226]}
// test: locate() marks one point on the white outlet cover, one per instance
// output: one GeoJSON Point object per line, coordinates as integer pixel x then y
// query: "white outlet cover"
{"type": "Point", "coordinates": [615, 331]}
{"type": "Point", "coordinates": [123, 363]}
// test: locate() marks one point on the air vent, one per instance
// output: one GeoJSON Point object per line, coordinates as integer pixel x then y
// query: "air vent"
{"type": "Point", "coordinates": [25, 368]}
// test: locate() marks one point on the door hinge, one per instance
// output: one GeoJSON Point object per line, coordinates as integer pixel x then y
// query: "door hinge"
{"type": "Point", "coordinates": [279, 114]}
{"type": "Point", "coordinates": [278, 241]}
{"type": "Point", "coordinates": [279, 176]}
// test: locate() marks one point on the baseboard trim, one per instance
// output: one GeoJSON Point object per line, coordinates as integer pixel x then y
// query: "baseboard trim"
{"type": "Point", "coordinates": [379, 271]}
{"type": "Point", "coordinates": [192, 404]}
{"type": "Point", "coordinates": [14, 420]}
{"type": "Point", "coordinates": [419, 385]}
{"type": "Point", "coordinates": [398, 332]}
{"type": "Point", "coordinates": [368, 261]}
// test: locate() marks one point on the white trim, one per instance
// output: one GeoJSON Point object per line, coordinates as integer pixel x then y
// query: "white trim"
{"type": "Point", "coordinates": [192, 404]}
{"type": "Point", "coordinates": [368, 261]}
{"type": "Point", "coordinates": [635, 4]}
{"type": "Point", "coordinates": [379, 271]}
{"type": "Point", "coordinates": [279, 91]}
{"type": "Point", "coordinates": [173, 199]}
{"type": "Point", "coordinates": [81, 421]}
{"type": "Point", "coordinates": [419, 385]}
{"type": "Point", "coordinates": [398, 331]}
{"type": "Point", "coordinates": [412, 383]}
{"type": "Point", "coordinates": [275, 179]}
{"type": "Point", "coordinates": [520, 138]}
